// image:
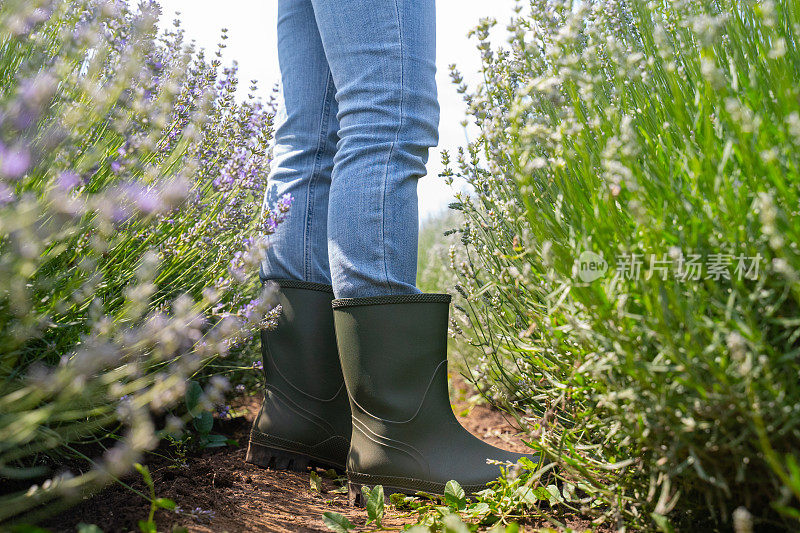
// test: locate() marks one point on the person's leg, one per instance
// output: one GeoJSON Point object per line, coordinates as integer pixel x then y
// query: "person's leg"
{"type": "Point", "coordinates": [382, 57]}
{"type": "Point", "coordinates": [305, 143]}
{"type": "Point", "coordinates": [305, 417]}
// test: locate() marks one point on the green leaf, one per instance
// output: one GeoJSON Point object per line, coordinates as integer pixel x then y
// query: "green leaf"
{"type": "Point", "coordinates": [336, 522]}
{"type": "Point", "coordinates": [147, 526]}
{"type": "Point", "coordinates": [88, 528]}
{"type": "Point", "coordinates": [542, 493]}
{"type": "Point", "coordinates": [315, 482]}
{"type": "Point", "coordinates": [555, 495]}
{"type": "Point", "coordinates": [203, 422]}
{"type": "Point", "coordinates": [375, 505]}
{"type": "Point", "coordinates": [179, 529]}
{"type": "Point", "coordinates": [193, 393]}
{"type": "Point", "coordinates": [485, 493]}
{"type": "Point", "coordinates": [454, 495]}
{"type": "Point", "coordinates": [145, 472]}
{"type": "Point", "coordinates": [216, 441]}
{"type": "Point", "coordinates": [794, 471]}
{"type": "Point", "coordinates": [165, 503]}
{"type": "Point", "coordinates": [528, 496]}
{"type": "Point", "coordinates": [513, 527]}
{"type": "Point", "coordinates": [442, 510]}
{"type": "Point", "coordinates": [453, 524]}
{"type": "Point", "coordinates": [27, 528]}
{"type": "Point", "coordinates": [330, 474]}
{"type": "Point", "coordinates": [418, 528]}
{"type": "Point", "coordinates": [527, 463]}
{"type": "Point", "coordinates": [400, 501]}
{"type": "Point", "coordinates": [569, 492]}
{"type": "Point", "coordinates": [478, 510]}
{"type": "Point", "coordinates": [787, 511]}
{"type": "Point", "coordinates": [662, 523]}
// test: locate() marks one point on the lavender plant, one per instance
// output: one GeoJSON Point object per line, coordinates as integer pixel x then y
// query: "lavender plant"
{"type": "Point", "coordinates": [130, 228]}
{"type": "Point", "coordinates": [631, 250]}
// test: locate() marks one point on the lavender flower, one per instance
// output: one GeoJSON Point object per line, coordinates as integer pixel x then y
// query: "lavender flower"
{"type": "Point", "coordinates": [67, 180]}
{"type": "Point", "coordinates": [14, 161]}
{"type": "Point", "coordinates": [223, 411]}
{"type": "Point", "coordinates": [198, 513]}
{"type": "Point", "coordinates": [285, 203]}
{"type": "Point", "coordinates": [6, 194]}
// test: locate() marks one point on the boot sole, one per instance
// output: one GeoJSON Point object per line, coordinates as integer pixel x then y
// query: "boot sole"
{"type": "Point", "coordinates": [273, 458]}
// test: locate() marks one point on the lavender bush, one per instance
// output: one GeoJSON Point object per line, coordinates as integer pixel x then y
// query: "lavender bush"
{"type": "Point", "coordinates": [130, 232]}
{"type": "Point", "coordinates": [631, 258]}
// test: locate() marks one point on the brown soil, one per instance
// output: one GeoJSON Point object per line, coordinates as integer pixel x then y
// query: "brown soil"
{"type": "Point", "coordinates": [242, 497]}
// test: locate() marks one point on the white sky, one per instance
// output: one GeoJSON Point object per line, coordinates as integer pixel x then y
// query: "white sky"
{"type": "Point", "coordinates": [252, 42]}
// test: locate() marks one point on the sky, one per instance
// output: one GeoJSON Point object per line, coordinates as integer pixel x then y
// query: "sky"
{"type": "Point", "coordinates": [252, 42]}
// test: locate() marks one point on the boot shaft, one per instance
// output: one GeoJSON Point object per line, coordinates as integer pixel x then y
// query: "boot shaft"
{"type": "Point", "coordinates": [299, 354]}
{"type": "Point", "coordinates": [390, 348]}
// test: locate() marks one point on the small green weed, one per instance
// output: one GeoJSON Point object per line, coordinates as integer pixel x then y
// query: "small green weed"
{"type": "Point", "coordinates": [519, 494]}
{"type": "Point", "coordinates": [149, 525]}
{"type": "Point", "coordinates": [337, 522]}
{"type": "Point", "coordinates": [202, 421]}
{"type": "Point", "coordinates": [375, 504]}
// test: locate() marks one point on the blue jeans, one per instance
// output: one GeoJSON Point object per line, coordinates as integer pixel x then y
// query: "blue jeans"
{"type": "Point", "coordinates": [357, 115]}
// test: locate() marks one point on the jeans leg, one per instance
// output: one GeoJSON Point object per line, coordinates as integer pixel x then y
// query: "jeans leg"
{"type": "Point", "coordinates": [305, 143]}
{"type": "Point", "coordinates": [381, 54]}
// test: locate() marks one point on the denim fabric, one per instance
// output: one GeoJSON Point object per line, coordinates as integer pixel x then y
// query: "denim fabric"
{"type": "Point", "coordinates": [357, 115]}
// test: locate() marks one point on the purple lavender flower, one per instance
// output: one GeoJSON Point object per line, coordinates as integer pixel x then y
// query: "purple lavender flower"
{"type": "Point", "coordinates": [249, 310]}
{"type": "Point", "coordinates": [14, 161]}
{"type": "Point", "coordinates": [116, 167]}
{"type": "Point", "coordinates": [145, 198]}
{"type": "Point", "coordinates": [119, 213]}
{"type": "Point", "coordinates": [6, 194]}
{"type": "Point", "coordinates": [270, 225]}
{"type": "Point", "coordinates": [223, 411]}
{"type": "Point", "coordinates": [67, 180]}
{"type": "Point", "coordinates": [25, 117]}
{"type": "Point", "coordinates": [258, 365]}
{"type": "Point", "coordinates": [285, 202]}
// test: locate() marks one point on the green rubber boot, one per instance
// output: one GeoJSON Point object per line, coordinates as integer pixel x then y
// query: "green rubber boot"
{"type": "Point", "coordinates": [305, 418]}
{"type": "Point", "coordinates": [405, 436]}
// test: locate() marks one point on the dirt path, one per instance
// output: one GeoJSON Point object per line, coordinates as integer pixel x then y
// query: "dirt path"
{"type": "Point", "coordinates": [227, 494]}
